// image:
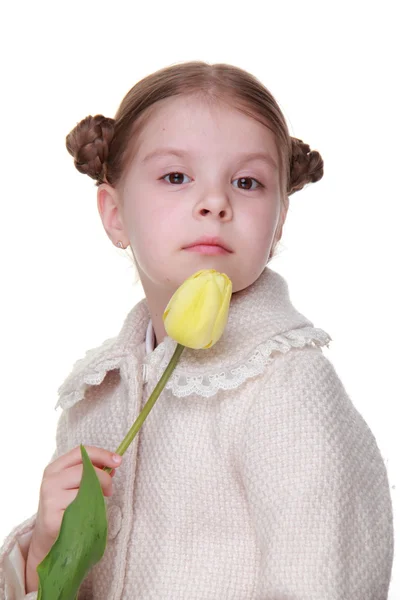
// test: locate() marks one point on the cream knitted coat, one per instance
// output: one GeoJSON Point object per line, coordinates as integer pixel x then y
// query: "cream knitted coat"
{"type": "Point", "coordinates": [253, 478]}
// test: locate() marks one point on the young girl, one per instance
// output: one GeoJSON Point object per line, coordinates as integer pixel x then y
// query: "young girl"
{"type": "Point", "coordinates": [254, 477]}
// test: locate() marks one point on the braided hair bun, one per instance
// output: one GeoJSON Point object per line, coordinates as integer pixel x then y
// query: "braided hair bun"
{"type": "Point", "coordinates": [305, 166]}
{"type": "Point", "coordinates": [89, 143]}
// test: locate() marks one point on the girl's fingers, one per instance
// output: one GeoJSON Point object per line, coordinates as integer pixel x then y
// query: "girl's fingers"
{"type": "Point", "coordinates": [70, 479]}
{"type": "Point", "coordinates": [99, 457]}
{"type": "Point", "coordinates": [66, 498]}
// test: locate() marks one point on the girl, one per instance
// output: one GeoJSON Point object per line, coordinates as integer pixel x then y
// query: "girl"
{"type": "Point", "coordinates": [254, 476]}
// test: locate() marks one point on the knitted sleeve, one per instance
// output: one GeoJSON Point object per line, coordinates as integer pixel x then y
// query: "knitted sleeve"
{"type": "Point", "coordinates": [317, 487]}
{"type": "Point", "coordinates": [14, 552]}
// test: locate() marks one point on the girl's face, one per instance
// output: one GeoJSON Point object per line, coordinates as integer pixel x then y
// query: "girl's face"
{"type": "Point", "coordinates": [193, 176]}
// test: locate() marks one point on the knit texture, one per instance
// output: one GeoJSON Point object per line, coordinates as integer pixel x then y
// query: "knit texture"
{"type": "Point", "coordinates": [274, 489]}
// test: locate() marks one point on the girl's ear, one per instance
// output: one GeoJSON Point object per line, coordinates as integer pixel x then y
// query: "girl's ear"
{"type": "Point", "coordinates": [109, 208]}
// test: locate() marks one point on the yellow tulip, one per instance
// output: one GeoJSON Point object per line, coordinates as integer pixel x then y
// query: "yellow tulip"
{"type": "Point", "coordinates": [197, 313]}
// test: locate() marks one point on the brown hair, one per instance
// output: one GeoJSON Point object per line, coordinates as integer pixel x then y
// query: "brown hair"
{"type": "Point", "coordinates": [103, 147]}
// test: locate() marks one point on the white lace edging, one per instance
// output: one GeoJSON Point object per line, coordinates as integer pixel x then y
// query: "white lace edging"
{"type": "Point", "coordinates": [82, 381]}
{"type": "Point", "coordinates": [207, 385]}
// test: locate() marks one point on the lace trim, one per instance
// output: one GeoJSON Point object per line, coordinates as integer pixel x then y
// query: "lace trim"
{"type": "Point", "coordinates": [72, 391]}
{"type": "Point", "coordinates": [207, 385]}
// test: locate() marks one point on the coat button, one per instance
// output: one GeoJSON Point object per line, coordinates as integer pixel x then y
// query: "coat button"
{"type": "Point", "coordinates": [114, 521]}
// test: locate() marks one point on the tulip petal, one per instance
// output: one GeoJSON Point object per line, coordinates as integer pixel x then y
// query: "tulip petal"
{"type": "Point", "coordinates": [198, 318]}
{"type": "Point", "coordinates": [197, 312]}
{"type": "Point", "coordinates": [222, 316]}
{"type": "Point", "coordinates": [182, 317]}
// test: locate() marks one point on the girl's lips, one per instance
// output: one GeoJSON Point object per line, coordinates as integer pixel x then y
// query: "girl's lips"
{"type": "Point", "coordinates": [213, 241]}
{"type": "Point", "coordinates": [207, 249]}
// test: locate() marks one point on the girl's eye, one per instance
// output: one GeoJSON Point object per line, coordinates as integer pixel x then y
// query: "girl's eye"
{"type": "Point", "coordinates": [177, 178]}
{"type": "Point", "coordinates": [243, 180]}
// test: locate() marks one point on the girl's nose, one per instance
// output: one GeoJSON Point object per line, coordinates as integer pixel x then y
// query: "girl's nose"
{"type": "Point", "coordinates": [214, 205]}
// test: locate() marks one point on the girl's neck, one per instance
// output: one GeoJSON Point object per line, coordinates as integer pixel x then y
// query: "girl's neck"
{"type": "Point", "coordinates": [157, 304]}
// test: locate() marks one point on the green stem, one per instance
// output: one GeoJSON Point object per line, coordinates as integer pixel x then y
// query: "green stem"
{"type": "Point", "coordinates": [124, 445]}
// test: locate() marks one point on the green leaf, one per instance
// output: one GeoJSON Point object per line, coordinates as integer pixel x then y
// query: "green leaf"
{"type": "Point", "coordinates": [81, 541]}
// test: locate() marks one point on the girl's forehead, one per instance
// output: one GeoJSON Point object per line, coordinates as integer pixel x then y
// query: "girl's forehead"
{"type": "Point", "coordinates": [194, 121]}
{"type": "Point", "coordinates": [194, 109]}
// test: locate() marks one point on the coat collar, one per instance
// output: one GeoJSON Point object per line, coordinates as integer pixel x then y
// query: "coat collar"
{"type": "Point", "coordinates": [93, 367]}
{"type": "Point", "coordinates": [261, 320]}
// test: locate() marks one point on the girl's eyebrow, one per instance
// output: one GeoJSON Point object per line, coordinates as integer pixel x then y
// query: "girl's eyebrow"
{"type": "Point", "coordinates": [242, 157]}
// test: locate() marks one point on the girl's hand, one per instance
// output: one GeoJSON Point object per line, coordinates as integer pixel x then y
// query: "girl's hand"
{"type": "Point", "coordinates": [59, 487]}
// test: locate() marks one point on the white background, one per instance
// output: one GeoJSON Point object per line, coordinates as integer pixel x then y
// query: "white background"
{"type": "Point", "coordinates": [334, 69]}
